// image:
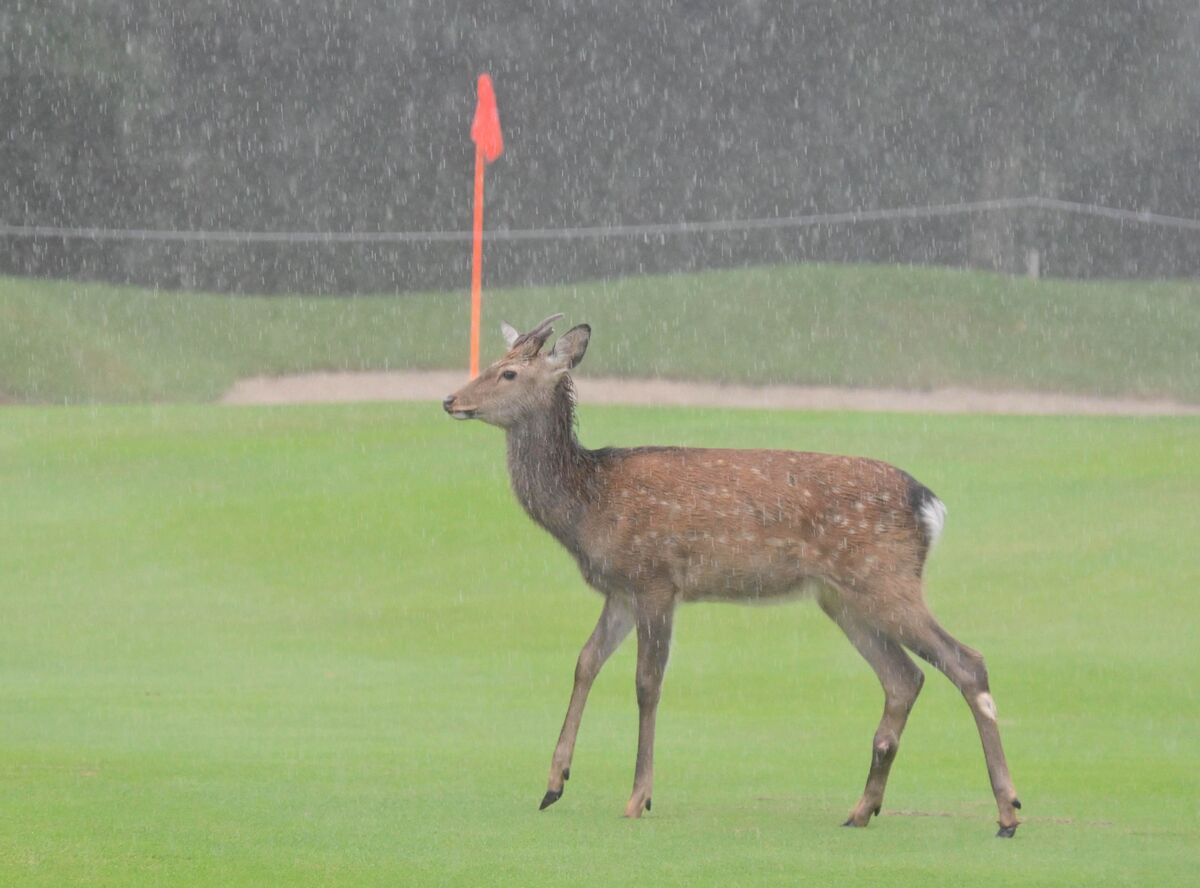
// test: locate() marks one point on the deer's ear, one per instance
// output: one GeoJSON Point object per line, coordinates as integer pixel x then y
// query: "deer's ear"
{"type": "Point", "coordinates": [509, 332]}
{"type": "Point", "coordinates": [570, 348]}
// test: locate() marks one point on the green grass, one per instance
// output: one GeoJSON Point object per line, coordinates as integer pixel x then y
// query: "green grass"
{"type": "Point", "coordinates": [249, 646]}
{"type": "Point", "coordinates": [905, 327]}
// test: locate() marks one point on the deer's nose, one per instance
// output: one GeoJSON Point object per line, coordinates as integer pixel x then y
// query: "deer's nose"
{"type": "Point", "coordinates": [448, 403]}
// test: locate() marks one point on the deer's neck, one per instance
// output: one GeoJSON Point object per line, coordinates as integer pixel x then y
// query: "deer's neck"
{"type": "Point", "coordinates": [551, 473]}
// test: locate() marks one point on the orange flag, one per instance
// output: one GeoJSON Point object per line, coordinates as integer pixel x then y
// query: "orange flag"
{"type": "Point", "coordinates": [485, 130]}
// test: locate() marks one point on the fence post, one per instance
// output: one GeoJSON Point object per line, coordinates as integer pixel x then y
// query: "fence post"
{"type": "Point", "coordinates": [1033, 263]}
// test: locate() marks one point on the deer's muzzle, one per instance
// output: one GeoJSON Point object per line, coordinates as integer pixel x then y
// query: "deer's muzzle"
{"type": "Point", "coordinates": [448, 404]}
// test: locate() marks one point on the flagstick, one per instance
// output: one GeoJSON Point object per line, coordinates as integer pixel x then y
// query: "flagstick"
{"type": "Point", "coordinates": [489, 144]}
{"type": "Point", "coordinates": [477, 263]}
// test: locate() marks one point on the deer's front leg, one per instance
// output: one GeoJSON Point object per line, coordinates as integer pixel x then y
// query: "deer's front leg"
{"type": "Point", "coordinates": [654, 619]}
{"type": "Point", "coordinates": [616, 619]}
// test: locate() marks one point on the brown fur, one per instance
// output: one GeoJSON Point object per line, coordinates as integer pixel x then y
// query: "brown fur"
{"type": "Point", "coordinates": [652, 527]}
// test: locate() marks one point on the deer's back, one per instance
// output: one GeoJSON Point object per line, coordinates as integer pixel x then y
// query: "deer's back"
{"type": "Point", "coordinates": [748, 524]}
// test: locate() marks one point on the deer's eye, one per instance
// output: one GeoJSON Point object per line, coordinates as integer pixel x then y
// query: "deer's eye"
{"type": "Point", "coordinates": [509, 374]}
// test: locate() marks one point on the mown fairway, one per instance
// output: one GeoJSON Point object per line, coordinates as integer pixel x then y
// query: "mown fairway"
{"type": "Point", "coordinates": [855, 325]}
{"type": "Point", "coordinates": [323, 645]}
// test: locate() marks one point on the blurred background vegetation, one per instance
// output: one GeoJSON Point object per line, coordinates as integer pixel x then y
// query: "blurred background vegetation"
{"type": "Point", "coordinates": [352, 115]}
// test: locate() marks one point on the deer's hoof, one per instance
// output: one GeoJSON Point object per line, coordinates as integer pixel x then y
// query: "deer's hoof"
{"type": "Point", "coordinates": [636, 807]}
{"type": "Point", "coordinates": [1016, 803]}
{"type": "Point", "coordinates": [549, 799]}
{"type": "Point", "coordinates": [859, 819]}
{"type": "Point", "coordinates": [1007, 832]}
{"type": "Point", "coordinates": [567, 776]}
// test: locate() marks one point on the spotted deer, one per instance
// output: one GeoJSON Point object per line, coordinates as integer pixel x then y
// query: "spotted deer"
{"type": "Point", "coordinates": [654, 527]}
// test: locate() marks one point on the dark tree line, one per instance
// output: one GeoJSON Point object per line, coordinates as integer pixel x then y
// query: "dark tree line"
{"type": "Point", "coordinates": [352, 115]}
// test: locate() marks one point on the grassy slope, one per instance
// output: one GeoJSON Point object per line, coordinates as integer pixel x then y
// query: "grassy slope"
{"type": "Point", "coordinates": [842, 325]}
{"type": "Point", "coordinates": [321, 645]}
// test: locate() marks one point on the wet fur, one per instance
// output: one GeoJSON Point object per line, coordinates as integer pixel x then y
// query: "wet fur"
{"type": "Point", "coordinates": [652, 527]}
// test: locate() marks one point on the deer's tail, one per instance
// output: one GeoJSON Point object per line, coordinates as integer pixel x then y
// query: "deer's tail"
{"type": "Point", "coordinates": [929, 511]}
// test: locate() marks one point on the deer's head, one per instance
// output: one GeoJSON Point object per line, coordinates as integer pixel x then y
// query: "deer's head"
{"type": "Point", "coordinates": [524, 380]}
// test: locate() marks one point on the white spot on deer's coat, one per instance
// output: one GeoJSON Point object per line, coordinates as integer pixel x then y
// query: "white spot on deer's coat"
{"type": "Point", "coordinates": [987, 705]}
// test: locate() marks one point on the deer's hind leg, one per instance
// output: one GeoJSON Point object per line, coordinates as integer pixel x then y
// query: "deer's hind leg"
{"type": "Point", "coordinates": [901, 679]}
{"type": "Point", "coordinates": [916, 627]}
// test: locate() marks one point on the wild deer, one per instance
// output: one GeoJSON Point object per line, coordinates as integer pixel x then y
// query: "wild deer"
{"type": "Point", "coordinates": [653, 527]}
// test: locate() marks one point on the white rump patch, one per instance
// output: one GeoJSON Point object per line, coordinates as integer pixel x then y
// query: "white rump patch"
{"type": "Point", "coordinates": [933, 517]}
{"type": "Point", "coordinates": [987, 705]}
